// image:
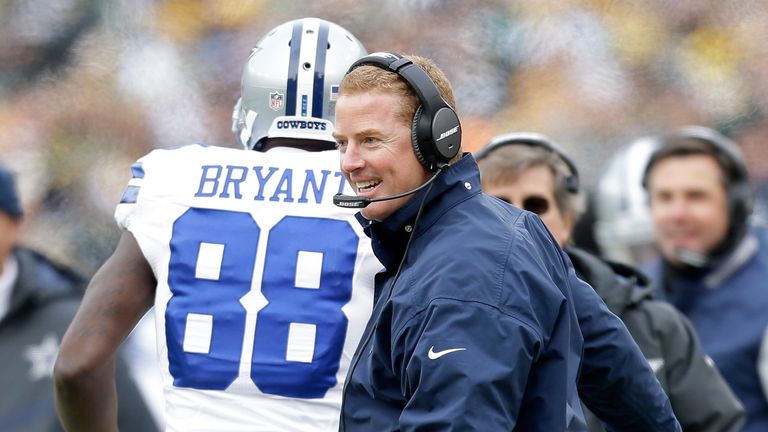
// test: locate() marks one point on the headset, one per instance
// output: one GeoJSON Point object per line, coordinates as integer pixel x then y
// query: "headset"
{"type": "Point", "coordinates": [435, 132]}
{"type": "Point", "coordinates": [738, 188]}
{"type": "Point", "coordinates": [572, 182]}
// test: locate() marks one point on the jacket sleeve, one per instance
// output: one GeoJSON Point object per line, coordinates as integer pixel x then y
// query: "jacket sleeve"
{"type": "Point", "coordinates": [468, 367]}
{"type": "Point", "coordinates": [691, 374]}
{"type": "Point", "coordinates": [616, 382]}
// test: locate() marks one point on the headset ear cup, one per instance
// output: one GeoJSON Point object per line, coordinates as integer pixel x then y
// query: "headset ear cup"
{"type": "Point", "coordinates": [740, 201]}
{"type": "Point", "coordinates": [420, 153]}
{"type": "Point", "coordinates": [572, 183]}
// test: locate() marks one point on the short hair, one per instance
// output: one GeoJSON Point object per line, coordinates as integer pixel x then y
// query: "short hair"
{"type": "Point", "coordinates": [506, 163]}
{"type": "Point", "coordinates": [681, 145]}
{"type": "Point", "coordinates": [366, 78]}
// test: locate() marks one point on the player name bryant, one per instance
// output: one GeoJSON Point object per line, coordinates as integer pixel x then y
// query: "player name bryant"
{"type": "Point", "coordinates": [269, 183]}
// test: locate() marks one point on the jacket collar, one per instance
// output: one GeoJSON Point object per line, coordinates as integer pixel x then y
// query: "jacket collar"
{"type": "Point", "coordinates": [40, 280]}
{"type": "Point", "coordinates": [742, 253]}
{"type": "Point", "coordinates": [389, 237]}
{"type": "Point", "coordinates": [7, 281]}
{"type": "Point", "coordinates": [714, 276]}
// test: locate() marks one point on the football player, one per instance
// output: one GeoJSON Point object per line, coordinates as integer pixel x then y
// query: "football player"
{"type": "Point", "coordinates": [261, 286]}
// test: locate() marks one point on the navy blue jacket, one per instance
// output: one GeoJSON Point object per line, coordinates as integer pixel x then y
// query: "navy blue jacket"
{"type": "Point", "coordinates": [728, 306]}
{"type": "Point", "coordinates": [479, 331]}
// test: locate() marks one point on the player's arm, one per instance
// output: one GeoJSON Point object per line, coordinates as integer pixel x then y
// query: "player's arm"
{"type": "Point", "coordinates": [119, 294]}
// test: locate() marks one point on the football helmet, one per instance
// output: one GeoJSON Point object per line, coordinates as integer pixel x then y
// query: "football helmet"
{"type": "Point", "coordinates": [291, 80]}
{"type": "Point", "coordinates": [623, 227]}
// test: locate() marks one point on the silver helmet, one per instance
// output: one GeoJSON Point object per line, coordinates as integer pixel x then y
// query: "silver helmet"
{"type": "Point", "coordinates": [291, 81]}
{"type": "Point", "coordinates": [623, 227]}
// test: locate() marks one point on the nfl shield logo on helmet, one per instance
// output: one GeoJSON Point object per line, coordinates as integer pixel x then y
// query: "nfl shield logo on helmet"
{"type": "Point", "coordinates": [276, 100]}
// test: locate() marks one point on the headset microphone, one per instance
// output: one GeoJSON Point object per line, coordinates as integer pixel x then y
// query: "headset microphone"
{"type": "Point", "coordinates": [352, 201]}
{"type": "Point", "coordinates": [693, 259]}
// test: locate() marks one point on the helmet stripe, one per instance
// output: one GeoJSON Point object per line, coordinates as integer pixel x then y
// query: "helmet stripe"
{"type": "Point", "coordinates": [319, 86]}
{"type": "Point", "coordinates": [293, 69]}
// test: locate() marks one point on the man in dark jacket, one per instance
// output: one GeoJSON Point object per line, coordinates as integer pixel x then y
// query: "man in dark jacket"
{"type": "Point", "coordinates": [713, 262]}
{"type": "Point", "coordinates": [474, 326]}
{"type": "Point", "coordinates": [37, 301]}
{"type": "Point", "coordinates": [532, 172]}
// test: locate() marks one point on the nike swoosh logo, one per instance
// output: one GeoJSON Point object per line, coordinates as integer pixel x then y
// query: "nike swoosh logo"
{"type": "Point", "coordinates": [434, 355]}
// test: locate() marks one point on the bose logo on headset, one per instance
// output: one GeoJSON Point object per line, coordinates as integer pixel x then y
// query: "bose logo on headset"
{"type": "Point", "coordinates": [448, 133]}
{"type": "Point", "coordinates": [433, 118]}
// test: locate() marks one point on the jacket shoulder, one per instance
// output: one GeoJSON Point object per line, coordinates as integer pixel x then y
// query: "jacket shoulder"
{"type": "Point", "coordinates": [489, 252]}
{"type": "Point", "coordinates": [44, 278]}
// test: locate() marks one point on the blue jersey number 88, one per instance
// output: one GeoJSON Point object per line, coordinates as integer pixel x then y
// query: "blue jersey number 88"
{"type": "Point", "coordinates": [207, 302]}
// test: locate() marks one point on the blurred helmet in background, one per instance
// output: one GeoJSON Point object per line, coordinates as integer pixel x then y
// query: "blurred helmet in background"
{"type": "Point", "coordinates": [291, 80]}
{"type": "Point", "coordinates": [623, 226]}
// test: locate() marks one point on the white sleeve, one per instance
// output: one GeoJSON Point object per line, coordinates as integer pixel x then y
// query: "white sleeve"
{"type": "Point", "coordinates": [762, 363]}
{"type": "Point", "coordinates": [127, 205]}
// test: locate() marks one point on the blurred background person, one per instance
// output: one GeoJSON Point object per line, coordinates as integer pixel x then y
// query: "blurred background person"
{"type": "Point", "coordinates": [532, 172]}
{"type": "Point", "coordinates": [714, 262]}
{"type": "Point", "coordinates": [38, 299]}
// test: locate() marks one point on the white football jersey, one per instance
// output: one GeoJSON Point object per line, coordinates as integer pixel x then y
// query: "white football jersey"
{"type": "Point", "coordinates": [264, 287]}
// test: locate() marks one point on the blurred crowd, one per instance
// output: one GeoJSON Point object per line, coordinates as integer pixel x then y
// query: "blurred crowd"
{"type": "Point", "coordinates": [88, 86]}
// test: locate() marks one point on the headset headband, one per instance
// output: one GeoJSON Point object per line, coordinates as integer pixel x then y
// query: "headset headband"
{"type": "Point", "coordinates": [534, 140]}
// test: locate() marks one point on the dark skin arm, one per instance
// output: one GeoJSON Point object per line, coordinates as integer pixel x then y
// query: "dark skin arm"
{"type": "Point", "coordinates": [119, 294]}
